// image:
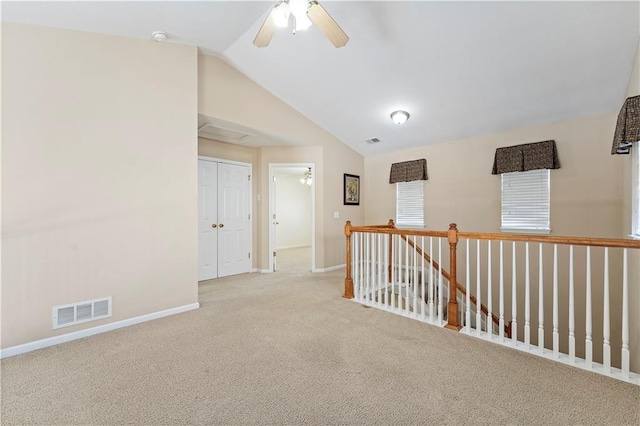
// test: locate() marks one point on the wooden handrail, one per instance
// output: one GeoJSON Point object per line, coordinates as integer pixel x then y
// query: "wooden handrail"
{"type": "Point", "coordinates": [554, 239]}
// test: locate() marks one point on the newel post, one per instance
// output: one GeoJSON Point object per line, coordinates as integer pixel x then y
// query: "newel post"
{"type": "Point", "coordinates": [452, 306]}
{"type": "Point", "coordinates": [348, 281]}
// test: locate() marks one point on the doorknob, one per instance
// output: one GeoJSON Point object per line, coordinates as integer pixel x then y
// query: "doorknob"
{"type": "Point", "coordinates": [213, 225]}
{"type": "Point", "coordinates": [221, 225]}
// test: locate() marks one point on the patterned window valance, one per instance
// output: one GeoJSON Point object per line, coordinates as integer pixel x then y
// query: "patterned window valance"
{"type": "Point", "coordinates": [408, 171]}
{"type": "Point", "coordinates": [529, 156]}
{"type": "Point", "coordinates": [627, 127]}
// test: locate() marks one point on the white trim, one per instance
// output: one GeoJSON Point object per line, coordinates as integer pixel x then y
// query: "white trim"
{"type": "Point", "coordinates": [68, 337]}
{"type": "Point", "coordinates": [265, 271]}
{"type": "Point", "coordinates": [330, 268]}
{"type": "Point", "coordinates": [272, 206]}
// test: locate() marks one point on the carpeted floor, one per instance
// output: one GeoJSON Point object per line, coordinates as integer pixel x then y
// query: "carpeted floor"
{"type": "Point", "coordinates": [285, 348]}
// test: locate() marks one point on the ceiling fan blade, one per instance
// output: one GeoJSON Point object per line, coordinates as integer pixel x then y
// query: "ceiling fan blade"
{"type": "Point", "coordinates": [267, 30]}
{"type": "Point", "coordinates": [327, 25]}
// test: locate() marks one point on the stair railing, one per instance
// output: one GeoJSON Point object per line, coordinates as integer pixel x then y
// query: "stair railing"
{"type": "Point", "coordinates": [575, 288]}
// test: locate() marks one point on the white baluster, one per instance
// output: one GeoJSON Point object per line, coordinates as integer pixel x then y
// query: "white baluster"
{"type": "Point", "coordinates": [380, 270]}
{"type": "Point", "coordinates": [478, 291]}
{"type": "Point", "coordinates": [440, 313]}
{"type": "Point", "coordinates": [606, 331]}
{"type": "Point", "coordinates": [394, 256]}
{"type": "Point", "coordinates": [514, 299]}
{"type": "Point", "coordinates": [385, 263]}
{"type": "Point", "coordinates": [422, 274]}
{"type": "Point", "coordinates": [367, 251]}
{"type": "Point", "coordinates": [588, 342]}
{"type": "Point", "coordinates": [527, 300]}
{"type": "Point", "coordinates": [372, 269]}
{"type": "Point", "coordinates": [407, 276]}
{"type": "Point", "coordinates": [362, 263]}
{"type": "Point", "coordinates": [356, 266]}
{"type": "Point", "coordinates": [468, 296]}
{"type": "Point", "coordinates": [415, 277]}
{"type": "Point", "coordinates": [625, 315]}
{"type": "Point", "coordinates": [432, 305]}
{"type": "Point", "coordinates": [407, 273]}
{"type": "Point", "coordinates": [556, 331]}
{"type": "Point", "coordinates": [501, 318]}
{"type": "Point", "coordinates": [540, 302]}
{"type": "Point", "coordinates": [489, 323]}
{"type": "Point", "coordinates": [572, 312]}
{"type": "Point", "coordinates": [397, 271]}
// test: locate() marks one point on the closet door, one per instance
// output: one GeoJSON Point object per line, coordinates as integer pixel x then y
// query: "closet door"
{"type": "Point", "coordinates": [207, 220]}
{"type": "Point", "coordinates": [224, 224]}
{"type": "Point", "coordinates": [233, 217]}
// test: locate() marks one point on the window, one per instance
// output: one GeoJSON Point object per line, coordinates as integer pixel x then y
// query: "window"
{"type": "Point", "coordinates": [525, 201]}
{"type": "Point", "coordinates": [635, 185]}
{"type": "Point", "coordinates": [410, 204]}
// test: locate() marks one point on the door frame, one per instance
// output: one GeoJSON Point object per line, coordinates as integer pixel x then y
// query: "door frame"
{"type": "Point", "coordinates": [250, 195]}
{"type": "Point", "coordinates": [272, 206]}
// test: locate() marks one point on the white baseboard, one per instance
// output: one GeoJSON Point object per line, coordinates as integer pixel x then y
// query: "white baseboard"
{"type": "Point", "coordinates": [330, 268]}
{"type": "Point", "coordinates": [63, 338]}
{"type": "Point", "coordinates": [265, 271]}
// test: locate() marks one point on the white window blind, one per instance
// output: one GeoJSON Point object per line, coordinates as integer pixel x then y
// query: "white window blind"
{"type": "Point", "coordinates": [410, 203]}
{"type": "Point", "coordinates": [525, 201]}
{"type": "Point", "coordinates": [635, 179]}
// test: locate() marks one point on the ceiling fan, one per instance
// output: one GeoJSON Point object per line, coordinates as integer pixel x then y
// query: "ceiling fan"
{"type": "Point", "coordinates": [303, 13]}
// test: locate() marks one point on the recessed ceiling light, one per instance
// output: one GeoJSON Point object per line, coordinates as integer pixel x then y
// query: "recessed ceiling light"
{"type": "Point", "coordinates": [399, 117]}
{"type": "Point", "coordinates": [159, 35]}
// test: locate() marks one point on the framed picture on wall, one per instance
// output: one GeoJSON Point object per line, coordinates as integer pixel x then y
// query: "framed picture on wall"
{"type": "Point", "coordinates": [351, 190]}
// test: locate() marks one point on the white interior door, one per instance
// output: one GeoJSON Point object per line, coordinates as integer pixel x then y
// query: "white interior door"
{"type": "Point", "coordinates": [234, 220]}
{"type": "Point", "coordinates": [207, 220]}
{"type": "Point", "coordinates": [224, 222]}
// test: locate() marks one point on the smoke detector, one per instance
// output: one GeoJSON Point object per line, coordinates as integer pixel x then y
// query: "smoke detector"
{"type": "Point", "coordinates": [159, 35]}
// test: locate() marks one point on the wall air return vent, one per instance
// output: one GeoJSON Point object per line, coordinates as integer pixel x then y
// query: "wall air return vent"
{"type": "Point", "coordinates": [372, 140]}
{"type": "Point", "coordinates": [77, 313]}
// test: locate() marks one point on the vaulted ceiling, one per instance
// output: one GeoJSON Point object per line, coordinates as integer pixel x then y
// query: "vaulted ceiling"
{"type": "Point", "coordinates": [459, 68]}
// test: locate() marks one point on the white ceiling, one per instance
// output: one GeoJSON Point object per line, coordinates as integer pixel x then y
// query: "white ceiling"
{"type": "Point", "coordinates": [459, 68]}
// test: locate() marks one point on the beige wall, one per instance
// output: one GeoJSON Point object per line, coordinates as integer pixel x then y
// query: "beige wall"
{"type": "Point", "coordinates": [585, 192]}
{"type": "Point", "coordinates": [99, 176]}
{"type": "Point", "coordinates": [226, 94]}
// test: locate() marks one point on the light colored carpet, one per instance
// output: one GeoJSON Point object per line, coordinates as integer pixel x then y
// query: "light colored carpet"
{"type": "Point", "coordinates": [285, 348]}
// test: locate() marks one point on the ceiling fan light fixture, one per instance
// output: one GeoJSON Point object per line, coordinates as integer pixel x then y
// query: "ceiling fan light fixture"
{"type": "Point", "coordinates": [299, 9]}
{"type": "Point", "coordinates": [305, 14]}
{"type": "Point", "coordinates": [399, 116]}
{"type": "Point", "coordinates": [281, 14]}
{"type": "Point", "coordinates": [302, 22]}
